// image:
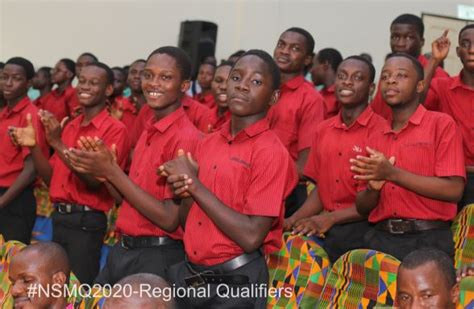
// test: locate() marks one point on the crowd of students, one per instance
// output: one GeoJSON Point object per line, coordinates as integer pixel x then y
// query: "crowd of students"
{"type": "Point", "coordinates": [207, 184]}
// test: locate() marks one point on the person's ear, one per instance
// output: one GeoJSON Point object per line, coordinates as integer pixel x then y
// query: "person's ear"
{"type": "Point", "coordinates": [59, 278]}
{"type": "Point", "coordinates": [109, 90]}
{"type": "Point", "coordinates": [275, 97]}
{"type": "Point", "coordinates": [420, 86]}
{"type": "Point", "coordinates": [185, 86]}
{"type": "Point", "coordinates": [455, 291]}
{"type": "Point", "coordinates": [372, 88]}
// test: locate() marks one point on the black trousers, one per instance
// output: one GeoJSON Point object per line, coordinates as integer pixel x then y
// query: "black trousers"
{"type": "Point", "coordinates": [468, 195]}
{"type": "Point", "coordinates": [123, 262]}
{"type": "Point", "coordinates": [256, 271]}
{"type": "Point", "coordinates": [81, 234]}
{"type": "Point", "coordinates": [401, 245]}
{"type": "Point", "coordinates": [295, 200]}
{"type": "Point", "coordinates": [18, 217]}
{"type": "Point", "coordinates": [341, 238]}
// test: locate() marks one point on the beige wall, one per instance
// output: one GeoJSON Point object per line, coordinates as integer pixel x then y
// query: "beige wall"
{"type": "Point", "coordinates": [120, 31]}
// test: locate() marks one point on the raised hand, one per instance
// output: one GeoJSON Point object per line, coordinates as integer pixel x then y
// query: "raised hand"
{"type": "Point", "coordinates": [26, 136]}
{"type": "Point", "coordinates": [51, 126]}
{"type": "Point", "coordinates": [440, 47]}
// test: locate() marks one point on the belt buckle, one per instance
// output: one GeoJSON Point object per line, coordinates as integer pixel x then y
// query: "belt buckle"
{"type": "Point", "coordinates": [122, 242]}
{"type": "Point", "coordinates": [195, 281]}
{"type": "Point", "coordinates": [390, 226]}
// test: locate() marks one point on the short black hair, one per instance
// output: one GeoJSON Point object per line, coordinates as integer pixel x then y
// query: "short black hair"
{"type": "Point", "coordinates": [25, 64]}
{"type": "Point", "coordinates": [118, 69]}
{"type": "Point", "coordinates": [418, 67]}
{"type": "Point", "coordinates": [466, 27]}
{"type": "Point", "coordinates": [410, 19]}
{"type": "Point", "coordinates": [46, 71]}
{"type": "Point", "coordinates": [367, 56]}
{"type": "Point", "coordinates": [70, 65]}
{"type": "Point", "coordinates": [2, 65]}
{"type": "Point", "coordinates": [424, 256]}
{"type": "Point", "coordinates": [238, 53]}
{"type": "Point", "coordinates": [137, 61]}
{"type": "Point", "coordinates": [225, 63]}
{"type": "Point", "coordinates": [367, 62]}
{"type": "Point", "coordinates": [182, 59]}
{"type": "Point", "coordinates": [331, 56]}
{"type": "Point", "coordinates": [272, 67]}
{"type": "Point", "coordinates": [108, 71]}
{"type": "Point", "coordinates": [88, 54]}
{"type": "Point", "coordinates": [308, 37]}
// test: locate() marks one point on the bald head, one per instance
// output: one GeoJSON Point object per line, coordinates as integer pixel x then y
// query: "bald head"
{"type": "Point", "coordinates": [49, 255]}
{"type": "Point", "coordinates": [144, 287]}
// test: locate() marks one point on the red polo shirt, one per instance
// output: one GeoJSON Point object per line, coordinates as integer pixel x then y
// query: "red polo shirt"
{"type": "Point", "coordinates": [158, 144]}
{"type": "Point", "coordinates": [218, 121]}
{"type": "Point", "coordinates": [429, 145]}
{"type": "Point", "coordinates": [199, 114]}
{"type": "Point", "coordinates": [297, 113]}
{"type": "Point", "coordinates": [331, 105]}
{"type": "Point", "coordinates": [144, 115]}
{"type": "Point", "coordinates": [12, 157]}
{"type": "Point", "coordinates": [380, 106]}
{"type": "Point", "coordinates": [207, 100]}
{"type": "Point", "coordinates": [129, 111]}
{"type": "Point", "coordinates": [54, 103]}
{"type": "Point", "coordinates": [457, 100]}
{"type": "Point", "coordinates": [251, 173]}
{"type": "Point", "coordinates": [65, 185]}
{"type": "Point", "coordinates": [334, 144]}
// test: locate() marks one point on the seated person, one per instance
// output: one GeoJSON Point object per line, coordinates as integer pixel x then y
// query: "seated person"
{"type": "Point", "coordinates": [427, 279]}
{"type": "Point", "coordinates": [137, 285]}
{"type": "Point", "coordinates": [44, 264]}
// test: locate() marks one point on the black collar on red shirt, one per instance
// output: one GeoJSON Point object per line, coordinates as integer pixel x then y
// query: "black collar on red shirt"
{"type": "Point", "coordinates": [249, 132]}
{"type": "Point", "coordinates": [163, 124]}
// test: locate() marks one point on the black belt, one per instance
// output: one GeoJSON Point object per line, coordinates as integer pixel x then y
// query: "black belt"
{"type": "Point", "coordinates": [217, 273]}
{"type": "Point", "coordinates": [402, 226]}
{"type": "Point", "coordinates": [130, 242]}
{"type": "Point", "coordinates": [67, 208]}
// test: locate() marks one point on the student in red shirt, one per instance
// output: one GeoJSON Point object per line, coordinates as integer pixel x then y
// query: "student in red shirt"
{"type": "Point", "coordinates": [151, 239]}
{"type": "Point", "coordinates": [330, 208]}
{"type": "Point", "coordinates": [406, 36]}
{"type": "Point", "coordinates": [17, 172]}
{"type": "Point", "coordinates": [42, 82]}
{"type": "Point", "coordinates": [245, 174]}
{"type": "Point", "coordinates": [204, 78]}
{"type": "Point", "coordinates": [80, 200]}
{"type": "Point", "coordinates": [455, 97]}
{"type": "Point", "coordinates": [62, 101]}
{"type": "Point", "coordinates": [412, 202]}
{"type": "Point", "coordinates": [300, 108]}
{"type": "Point", "coordinates": [120, 107]}
{"type": "Point", "coordinates": [220, 113]}
{"type": "Point", "coordinates": [323, 73]}
{"type": "Point", "coordinates": [84, 60]}
{"type": "Point", "coordinates": [134, 80]}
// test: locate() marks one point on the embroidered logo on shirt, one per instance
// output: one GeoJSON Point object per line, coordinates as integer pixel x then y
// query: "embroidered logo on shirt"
{"type": "Point", "coordinates": [357, 149]}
